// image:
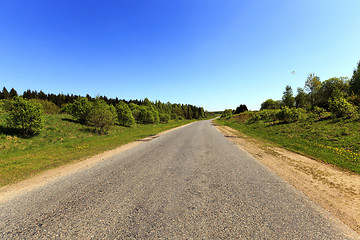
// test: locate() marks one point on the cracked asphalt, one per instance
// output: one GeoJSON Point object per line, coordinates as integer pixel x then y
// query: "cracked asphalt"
{"type": "Point", "coordinates": [190, 183]}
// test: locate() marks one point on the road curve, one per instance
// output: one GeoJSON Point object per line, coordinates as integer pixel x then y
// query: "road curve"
{"type": "Point", "coordinates": [190, 183]}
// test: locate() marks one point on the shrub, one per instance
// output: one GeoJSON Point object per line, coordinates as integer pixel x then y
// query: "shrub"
{"type": "Point", "coordinates": [288, 115]}
{"type": "Point", "coordinates": [227, 113]}
{"type": "Point", "coordinates": [146, 116]}
{"type": "Point", "coordinates": [49, 107]}
{"type": "Point", "coordinates": [26, 116]}
{"type": "Point", "coordinates": [339, 107]}
{"type": "Point", "coordinates": [80, 109]}
{"type": "Point", "coordinates": [124, 114]}
{"type": "Point", "coordinates": [101, 116]}
{"type": "Point", "coordinates": [164, 118]}
{"type": "Point", "coordinates": [318, 111]}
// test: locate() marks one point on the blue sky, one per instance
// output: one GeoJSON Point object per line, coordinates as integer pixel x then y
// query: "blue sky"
{"type": "Point", "coordinates": [214, 54]}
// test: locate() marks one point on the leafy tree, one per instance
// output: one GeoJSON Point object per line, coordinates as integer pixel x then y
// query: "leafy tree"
{"type": "Point", "coordinates": [81, 109]}
{"type": "Point", "coordinates": [125, 116]}
{"type": "Point", "coordinates": [288, 98]}
{"type": "Point", "coordinates": [301, 99]}
{"type": "Point", "coordinates": [355, 80]}
{"type": "Point", "coordinates": [312, 87]}
{"type": "Point", "coordinates": [25, 116]}
{"type": "Point", "coordinates": [331, 89]}
{"type": "Point", "coordinates": [270, 104]}
{"type": "Point", "coordinates": [4, 94]}
{"type": "Point", "coordinates": [101, 116]}
{"type": "Point", "coordinates": [241, 108]}
{"type": "Point", "coordinates": [339, 107]}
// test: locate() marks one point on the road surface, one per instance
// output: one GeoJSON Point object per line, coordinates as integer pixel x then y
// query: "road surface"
{"type": "Point", "coordinates": [190, 183]}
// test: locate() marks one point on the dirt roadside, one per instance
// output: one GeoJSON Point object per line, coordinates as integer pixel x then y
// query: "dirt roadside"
{"type": "Point", "coordinates": [335, 190]}
{"type": "Point", "coordinates": [10, 191]}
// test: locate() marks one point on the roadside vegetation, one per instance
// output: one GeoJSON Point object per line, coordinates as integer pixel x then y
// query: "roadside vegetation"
{"type": "Point", "coordinates": [321, 121]}
{"type": "Point", "coordinates": [40, 132]}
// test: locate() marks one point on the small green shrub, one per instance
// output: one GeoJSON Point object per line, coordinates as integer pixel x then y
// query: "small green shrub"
{"type": "Point", "coordinates": [289, 115]}
{"type": "Point", "coordinates": [318, 111]}
{"type": "Point", "coordinates": [339, 107]}
{"type": "Point", "coordinates": [26, 116]}
{"type": "Point", "coordinates": [80, 109]}
{"type": "Point", "coordinates": [227, 113]}
{"type": "Point", "coordinates": [124, 114]}
{"type": "Point", "coordinates": [164, 118]}
{"type": "Point", "coordinates": [49, 107]}
{"type": "Point", "coordinates": [101, 117]}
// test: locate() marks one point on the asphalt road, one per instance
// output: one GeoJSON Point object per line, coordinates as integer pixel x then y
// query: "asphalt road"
{"type": "Point", "coordinates": [190, 183]}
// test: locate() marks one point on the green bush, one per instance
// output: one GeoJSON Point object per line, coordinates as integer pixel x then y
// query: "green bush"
{"type": "Point", "coordinates": [164, 118]}
{"type": "Point", "coordinates": [146, 116]}
{"type": "Point", "coordinates": [318, 111]}
{"type": "Point", "coordinates": [101, 117]}
{"type": "Point", "coordinates": [124, 114]}
{"type": "Point", "coordinates": [49, 107]}
{"type": "Point", "coordinates": [339, 107]}
{"type": "Point", "coordinates": [289, 115]}
{"type": "Point", "coordinates": [26, 116]}
{"type": "Point", "coordinates": [80, 109]}
{"type": "Point", "coordinates": [227, 113]}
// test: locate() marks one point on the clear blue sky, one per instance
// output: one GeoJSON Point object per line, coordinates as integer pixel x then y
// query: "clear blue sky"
{"type": "Point", "coordinates": [214, 54]}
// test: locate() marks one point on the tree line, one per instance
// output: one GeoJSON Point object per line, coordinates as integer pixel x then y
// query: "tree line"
{"type": "Point", "coordinates": [317, 94]}
{"type": "Point", "coordinates": [25, 112]}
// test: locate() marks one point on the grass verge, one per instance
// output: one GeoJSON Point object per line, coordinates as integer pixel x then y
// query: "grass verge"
{"type": "Point", "coordinates": [63, 141]}
{"type": "Point", "coordinates": [334, 141]}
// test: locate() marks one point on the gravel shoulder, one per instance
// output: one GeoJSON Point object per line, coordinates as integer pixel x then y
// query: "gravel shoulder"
{"type": "Point", "coordinates": [334, 189]}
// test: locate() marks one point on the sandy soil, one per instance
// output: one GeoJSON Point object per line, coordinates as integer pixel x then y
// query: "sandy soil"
{"type": "Point", "coordinates": [336, 190]}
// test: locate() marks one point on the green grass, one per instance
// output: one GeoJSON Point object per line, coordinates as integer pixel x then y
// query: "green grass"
{"type": "Point", "coordinates": [334, 141]}
{"type": "Point", "coordinates": [63, 141]}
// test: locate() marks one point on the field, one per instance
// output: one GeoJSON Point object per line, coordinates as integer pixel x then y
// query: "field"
{"type": "Point", "coordinates": [63, 140]}
{"type": "Point", "coordinates": [334, 141]}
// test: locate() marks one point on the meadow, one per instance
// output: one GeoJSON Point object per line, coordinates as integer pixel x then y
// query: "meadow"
{"type": "Point", "coordinates": [332, 140]}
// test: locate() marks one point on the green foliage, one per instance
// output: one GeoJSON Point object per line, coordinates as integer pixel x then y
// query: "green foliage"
{"type": "Point", "coordinates": [289, 115]}
{"type": "Point", "coordinates": [4, 94]}
{"type": "Point", "coordinates": [80, 109]}
{"type": "Point", "coordinates": [62, 142]}
{"type": "Point", "coordinates": [241, 108]}
{"type": "Point", "coordinates": [355, 80]}
{"type": "Point", "coordinates": [124, 114]}
{"type": "Point", "coordinates": [301, 99]}
{"type": "Point", "coordinates": [26, 116]}
{"type": "Point", "coordinates": [318, 111]}
{"type": "Point", "coordinates": [148, 115]}
{"type": "Point", "coordinates": [270, 104]}
{"type": "Point", "coordinates": [335, 142]}
{"type": "Point", "coordinates": [101, 117]}
{"type": "Point", "coordinates": [164, 117]}
{"type": "Point", "coordinates": [227, 113]}
{"type": "Point", "coordinates": [339, 107]}
{"type": "Point", "coordinates": [331, 89]}
{"type": "Point", "coordinates": [288, 98]}
{"type": "Point", "coordinates": [312, 87]}
{"type": "Point", "coordinates": [49, 107]}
